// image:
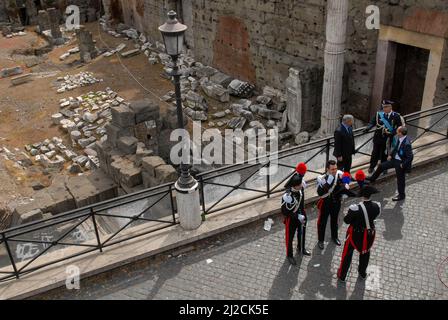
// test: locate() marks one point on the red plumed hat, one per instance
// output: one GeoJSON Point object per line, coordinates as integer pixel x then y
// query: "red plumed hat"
{"type": "Point", "coordinates": [301, 169]}
{"type": "Point", "coordinates": [346, 174]}
{"type": "Point", "coordinates": [360, 175]}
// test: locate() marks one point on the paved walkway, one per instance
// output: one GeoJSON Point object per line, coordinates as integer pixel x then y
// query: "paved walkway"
{"type": "Point", "coordinates": [249, 262]}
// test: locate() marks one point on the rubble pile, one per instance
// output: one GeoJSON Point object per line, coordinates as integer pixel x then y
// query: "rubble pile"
{"type": "Point", "coordinates": [71, 82]}
{"type": "Point", "coordinates": [199, 82]}
{"type": "Point", "coordinates": [53, 154]}
{"type": "Point", "coordinates": [84, 119]}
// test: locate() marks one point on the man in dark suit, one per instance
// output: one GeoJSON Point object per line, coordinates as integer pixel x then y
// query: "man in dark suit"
{"type": "Point", "coordinates": [400, 158]}
{"type": "Point", "coordinates": [344, 143]}
{"type": "Point", "coordinates": [386, 123]}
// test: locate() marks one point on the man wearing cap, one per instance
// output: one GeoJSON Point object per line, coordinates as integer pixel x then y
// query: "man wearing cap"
{"type": "Point", "coordinates": [344, 143]}
{"type": "Point", "coordinates": [331, 188]}
{"type": "Point", "coordinates": [400, 158]}
{"type": "Point", "coordinates": [360, 233]}
{"type": "Point", "coordinates": [293, 209]}
{"type": "Point", "coordinates": [386, 122]}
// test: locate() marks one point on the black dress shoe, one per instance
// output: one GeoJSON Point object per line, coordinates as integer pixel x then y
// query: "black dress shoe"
{"type": "Point", "coordinates": [362, 275]}
{"type": "Point", "coordinates": [321, 245]}
{"type": "Point", "coordinates": [398, 198]}
{"type": "Point", "coordinates": [306, 252]}
{"type": "Point", "coordinates": [338, 243]}
{"type": "Point", "coordinates": [292, 261]}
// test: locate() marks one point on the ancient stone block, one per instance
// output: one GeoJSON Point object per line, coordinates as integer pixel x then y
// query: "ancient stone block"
{"type": "Point", "coordinates": [130, 53]}
{"type": "Point", "coordinates": [221, 79]}
{"type": "Point", "coordinates": [270, 114]}
{"type": "Point", "coordinates": [91, 189]}
{"type": "Point", "coordinates": [165, 173]}
{"type": "Point", "coordinates": [149, 164]}
{"type": "Point", "coordinates": [123, 116]}
{"type": "Point", "coordinates": [149, 180]}
{"type": "Point", "coordinates": [131, 176]}
{"type": "Point", "coordinates": [215, 91]}
{"type": "Point", "coordinates": [115, 132]}
{"type": "Point", "coordinates": [145, 110]}
{"type": "Point", "coordinates": [128, 144]}
{"type": "Point", "coordinates": [21, 79]}
{"type": "Point", "coordinates": [34, 215]}
{"type": "Point", "coordinates": [63, 200]}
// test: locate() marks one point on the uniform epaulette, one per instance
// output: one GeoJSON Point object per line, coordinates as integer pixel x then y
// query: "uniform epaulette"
{"type": "Point", "coordinates": [354, 207]}
{"type": "Point", "coordinates": [287, 198]}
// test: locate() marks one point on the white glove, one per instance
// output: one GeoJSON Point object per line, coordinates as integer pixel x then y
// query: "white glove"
{"type": "Point", "coordinates": [330, 179]}
{"type": "Point", "coordinates": [303, 184]}
{"type": "Point", "coordinates": [302, 218]}
{"type": "Point", "coordinates": [347, 186]}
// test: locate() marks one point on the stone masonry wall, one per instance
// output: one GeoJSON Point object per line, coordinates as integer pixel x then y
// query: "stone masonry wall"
{"type": "Point", "coordinates": [283, 34]}
{"type": "Point", "coordinates": [259, 40]}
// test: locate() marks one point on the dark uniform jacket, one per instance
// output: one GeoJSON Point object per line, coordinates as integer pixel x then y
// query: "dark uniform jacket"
{"type": "Point", "coordinates": [293, 203]}
{"type": "Point", "coordinates": [357, 232]}
{"type": "Point", "coordinates": [381, 132]}
{"type": "Point", "coordinates": [323, 187]}
{"type": "Point", "coordinates": [344, 143]}
{"type": "Point", "coordinates": [404, 152]}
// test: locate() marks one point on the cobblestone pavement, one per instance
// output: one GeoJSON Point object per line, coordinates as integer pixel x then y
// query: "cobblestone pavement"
{"type": "Point", "coordinates": [249, 262]}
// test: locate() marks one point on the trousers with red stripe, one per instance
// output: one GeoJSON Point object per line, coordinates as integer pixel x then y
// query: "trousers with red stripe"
{"type": "Point", "coordinates": [354, 242]}
{"type": "Point", "coordinates": [327, 208]}
{"type": "Point", "coordinates": [293, 225]}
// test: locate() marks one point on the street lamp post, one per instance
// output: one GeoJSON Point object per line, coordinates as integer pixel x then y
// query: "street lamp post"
{"type": "Point", "coordinates": [187, 198]}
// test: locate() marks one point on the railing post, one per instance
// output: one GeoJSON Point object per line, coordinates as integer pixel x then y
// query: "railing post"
{"type": "Point", "coordinates": [92, 214]}
{"type": "Point", "coordinates": [172, 205]}
{"type": "Point", "coordinates": [268, 179]}
{"type": "Point", "coordinates": [201, 187]}
{"type": "Point", "coordinates": [327, 152]}
{"type": "Point", "coordinates": [11, 258]}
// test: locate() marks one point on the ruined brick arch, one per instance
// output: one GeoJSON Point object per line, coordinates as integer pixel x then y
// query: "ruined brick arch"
{"type": "Point", "coordinates": [231, 49]}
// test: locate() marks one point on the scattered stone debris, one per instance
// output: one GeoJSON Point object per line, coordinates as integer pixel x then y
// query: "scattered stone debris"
{"type": "Point", "coordinates": [21, 79]}
{"type": "Point", "coordinates": [71, 82]}
{"type": "Point", "coordinates": [241, 89]}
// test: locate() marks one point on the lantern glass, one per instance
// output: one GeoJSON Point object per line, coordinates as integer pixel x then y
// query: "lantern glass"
{"type": "Point", "coordinates": [174, 43]}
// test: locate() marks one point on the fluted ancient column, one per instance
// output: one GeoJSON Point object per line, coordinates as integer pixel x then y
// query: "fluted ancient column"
{"type": "Point", "coordinates": [337, 15]}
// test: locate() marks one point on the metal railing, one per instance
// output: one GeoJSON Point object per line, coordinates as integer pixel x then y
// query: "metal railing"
{"type": "Point", "coordinates": [244, 182]}
{"type": "Point", "coordinates": [95, 227]}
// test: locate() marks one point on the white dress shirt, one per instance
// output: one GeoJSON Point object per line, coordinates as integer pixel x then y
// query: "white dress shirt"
{"type": "Point", "coordinates": [397, 157]}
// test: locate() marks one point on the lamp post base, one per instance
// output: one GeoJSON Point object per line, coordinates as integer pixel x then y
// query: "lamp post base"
{"type": "Point", "coordinates": [188, 206]}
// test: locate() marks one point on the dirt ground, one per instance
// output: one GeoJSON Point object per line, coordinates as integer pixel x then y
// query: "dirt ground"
{"type": "Point", "coordinates": [25, 110]}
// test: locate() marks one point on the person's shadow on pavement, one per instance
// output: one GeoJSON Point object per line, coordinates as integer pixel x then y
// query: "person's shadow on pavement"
{"type": "Point", "coordinates": [358, 291]}
{"type": "Point", "coordinates": [285, 281]}
{"type": "Point", "coordinates": [317, 283]}
{"type": "Point", "coordinates": [393, 221]}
